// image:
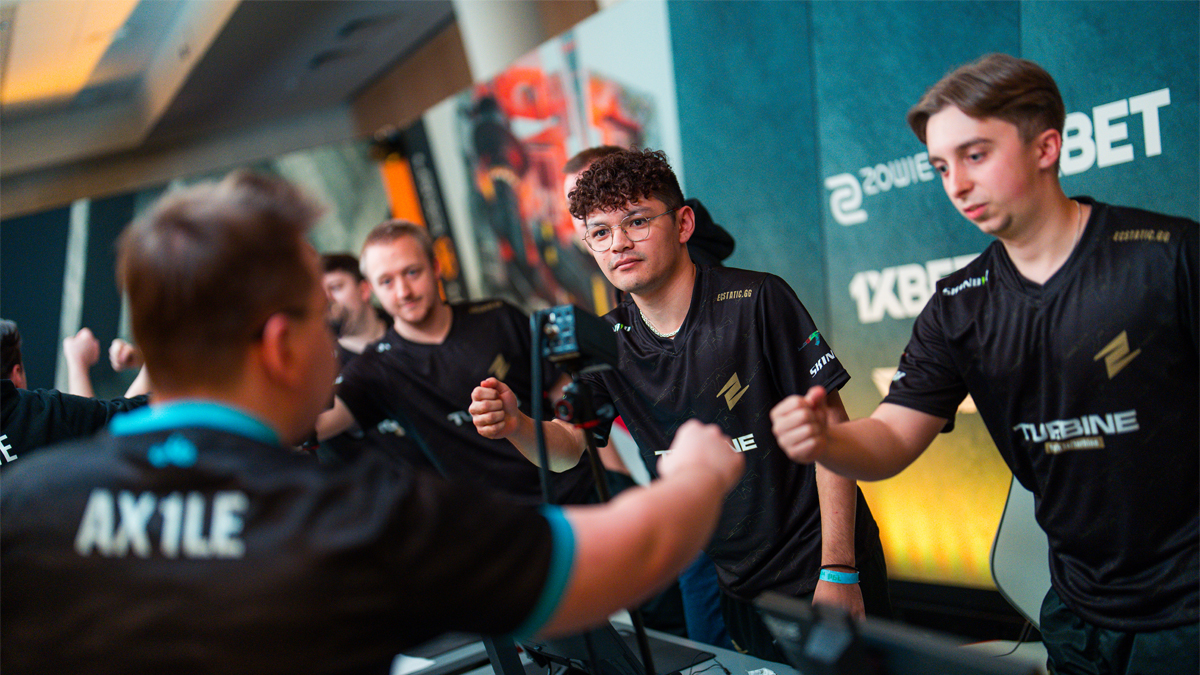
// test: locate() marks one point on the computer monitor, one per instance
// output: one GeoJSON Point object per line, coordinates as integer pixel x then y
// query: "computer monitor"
{"type": "Point", "coordinates": [821, 641]}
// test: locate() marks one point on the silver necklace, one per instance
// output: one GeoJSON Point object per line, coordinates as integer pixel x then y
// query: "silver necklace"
{"type": "Point", "coordinates": [665, 336]}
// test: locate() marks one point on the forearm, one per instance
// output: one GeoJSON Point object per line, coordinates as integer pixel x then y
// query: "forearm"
{"type": "Point", "coordinates": [79, 381]}
{"type": "Point", "coordinates": [140, 385]}
{"type": "Point", "coordinates": [631, 547]}
{"type": "Point", "coordinates": [870, 449]}
{"type": "Point", "coordinates": [564, 442]}
{"type": "Point", "coordinates": [839, 499]}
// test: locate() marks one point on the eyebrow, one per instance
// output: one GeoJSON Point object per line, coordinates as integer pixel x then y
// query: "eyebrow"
{"type": "Point", "coordinates": [963, 146]}
{"type": "Point", "coordinates": [630, 212]}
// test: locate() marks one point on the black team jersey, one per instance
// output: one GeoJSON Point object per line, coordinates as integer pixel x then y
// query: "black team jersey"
{"type": "Point", "coordinates": [188, 540]}
{"type": "Point", "coordinates": [1089, 388]}
{"type": "Point", "coordinates": [747, 343]}
{"type": "Point", "coordinates": [428, 387]}
{"type": "Point", "coordinates": [34, 418]}
{"type": "Point", "coordinates": [388, 437]}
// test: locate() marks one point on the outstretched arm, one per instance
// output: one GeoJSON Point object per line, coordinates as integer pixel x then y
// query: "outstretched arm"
{"type": "Point", "coordinates": [82, 351]}
{"type": "Point", "coordinates": [631, 547]}
{"type": "Point", "coordinates": [496, 415]}
{"type": "Point", "coordinates": [334, 420]}
{"type": "Point", "coordinates": [872, 448]}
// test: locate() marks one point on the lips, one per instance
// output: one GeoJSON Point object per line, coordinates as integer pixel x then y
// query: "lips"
{"type": "Point", "coordinates": [975, 211]}
{"type": "Point", "coordinates": [624, 263]}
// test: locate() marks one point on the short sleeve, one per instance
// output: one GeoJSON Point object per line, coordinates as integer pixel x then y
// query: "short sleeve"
{"type": "Point", "coordinates": [927, 379]}
{"type": "Point", "coordinates": [800, 355]}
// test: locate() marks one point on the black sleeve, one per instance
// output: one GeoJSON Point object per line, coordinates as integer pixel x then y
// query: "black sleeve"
{"type": "Point", "coordinates": [1186, 276]}
{"type": "Point", "coordinates": [800, 356]}
{"type": "Point", "coordinates": [53, 416]}
{"type": "Point", "coordinates": [356, 385]}
{"type": "Point", "coordinates": [927, 379]}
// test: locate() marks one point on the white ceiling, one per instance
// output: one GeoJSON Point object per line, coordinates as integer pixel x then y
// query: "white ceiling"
{"type": "Point", "coordinates": [81, 79]}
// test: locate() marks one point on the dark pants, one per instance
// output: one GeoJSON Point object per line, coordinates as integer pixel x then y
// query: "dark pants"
{"type": "Point", "coordinates": [1075, 646]}
{"type": "Point", "coordinates": [702, 603]}
{"type": "Point", "coordinates": [750, 634]}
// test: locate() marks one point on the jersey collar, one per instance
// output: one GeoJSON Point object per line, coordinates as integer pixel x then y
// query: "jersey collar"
{"type": "Point", "coordinates": [192, 413]}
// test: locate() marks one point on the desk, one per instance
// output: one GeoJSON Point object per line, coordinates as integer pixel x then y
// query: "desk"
{"type": "Point", "coordinates": [471, 659]}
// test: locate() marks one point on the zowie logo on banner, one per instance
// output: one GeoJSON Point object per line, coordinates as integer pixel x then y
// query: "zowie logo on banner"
{"type": "Point", "coordinates": [1095, 140]}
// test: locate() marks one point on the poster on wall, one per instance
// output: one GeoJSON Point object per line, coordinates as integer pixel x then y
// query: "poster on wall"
{"type": "Point", "coordinates": [511, 136]}
{"type": "Point", "coordinates": [514, 132]}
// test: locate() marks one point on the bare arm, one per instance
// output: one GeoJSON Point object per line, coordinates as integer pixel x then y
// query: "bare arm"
{"type": "Point", "coordinates": [495, 414]}
{"type": "Point", "coordinates": [634, 545]}
{"type": "Point", "coordinates": [82, 351]}
{"type": "Point", "coordinates": [140, 385]}
{"type": "Point", "coordinates": [872, 448]}
{"type": "Point", "coordinates": [334, 421]}
{"type": "Point", "coordinates": [839, 501]}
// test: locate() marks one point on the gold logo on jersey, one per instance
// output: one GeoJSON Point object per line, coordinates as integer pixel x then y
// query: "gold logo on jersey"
{"type": "Point", "coordinates": [1116, 354]}
{"type": "Point", "coordinates": [733, 391]}
{"type": "Point", "coordinates": [499, 367]}
{"type": "Point", "coordinates": [735, 295]}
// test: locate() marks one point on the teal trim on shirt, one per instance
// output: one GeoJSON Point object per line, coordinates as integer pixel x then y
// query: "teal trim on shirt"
{"type": "Point", "coordinates": [562, 557]}
{"type": "Point", "coordinates": [192, 413]}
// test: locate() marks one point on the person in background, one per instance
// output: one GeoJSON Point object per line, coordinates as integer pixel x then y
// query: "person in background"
{"type": "Point", "coordinates": [190, 538]}
{"type": "Point", "coordinates": [434, 353]}
{"type": "Point", "coordinates": [357, 323]}
{"type": "Point", "coordinates": [722, 345]}
{"type": "Point", "coordinates": [33, 419]}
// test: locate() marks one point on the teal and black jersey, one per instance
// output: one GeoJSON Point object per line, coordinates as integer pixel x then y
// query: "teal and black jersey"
{"type": "Point", "coordinates": [1089, 387]}
{"type": "Point", "coordinates": [746, 344]}
{"type": "Point", "coordinates": [186, 539]}
{"type": "Point", "coordinates": [427, 388]}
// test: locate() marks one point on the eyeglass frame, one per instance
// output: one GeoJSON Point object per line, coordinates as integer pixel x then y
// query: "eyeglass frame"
{"type": "Point", "coordinates": [625, 229]}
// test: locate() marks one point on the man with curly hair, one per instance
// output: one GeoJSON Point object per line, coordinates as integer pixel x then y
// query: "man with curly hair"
{"type": "Point", "coordinates": [724, 345]}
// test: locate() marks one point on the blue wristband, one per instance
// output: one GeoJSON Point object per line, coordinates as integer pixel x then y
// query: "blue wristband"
{"type": "Point", "coordinates": [839, 577]}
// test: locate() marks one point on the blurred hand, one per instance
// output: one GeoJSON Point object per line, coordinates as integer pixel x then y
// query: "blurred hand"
{"type": "Point", "coordinates": [82, 349]}
{"type": "Point", "coordinates": [705, 447]}
{"type": "Point", "coordinates": [124, 356]}
{"type": "Point", "coordinates": [494, 409]}
{"type": "Point", "coordinates": [800, 426]}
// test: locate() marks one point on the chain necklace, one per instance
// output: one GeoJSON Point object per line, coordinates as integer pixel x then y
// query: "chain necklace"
{"type": "Point", "coordinates": [665, 336]}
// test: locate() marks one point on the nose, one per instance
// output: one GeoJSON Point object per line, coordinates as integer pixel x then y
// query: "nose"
{"type": "Point", "coordinates": [958, 182]}
{"type": "Point", "coordinates": [620, 240]}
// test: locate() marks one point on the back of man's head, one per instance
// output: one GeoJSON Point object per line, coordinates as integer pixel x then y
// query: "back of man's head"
{"type": "Point", "coordinates": [341, 262]}
{"type": "Point", "coordinates": [10, 348]}
{"type": "Point", "coordinates": [585, 158]}
{"type": "Point", "coordinates": [1017, 91]}
{"type": "Point", "coordinates": [207, 266]}
{"type": "Point", "coordinates": [622, 177]}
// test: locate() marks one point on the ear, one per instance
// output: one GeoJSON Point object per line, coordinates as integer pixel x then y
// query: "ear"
{"type": "Point", "coordinates": [18, 376]}
{"type": "Point", "coordinates": [278, 351]}
{"type": "Point", "coordinates": [1048, 146]}
{"type": "Point", "coordinates": [687, 223]}
{"type": "Point", "coordinates": [364, 290]}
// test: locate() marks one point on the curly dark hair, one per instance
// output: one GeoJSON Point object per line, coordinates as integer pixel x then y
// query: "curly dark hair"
{"type": "Point", "coordinates": [623, 177]}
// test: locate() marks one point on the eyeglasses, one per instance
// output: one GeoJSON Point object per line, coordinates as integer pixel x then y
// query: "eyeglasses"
{"type": "Point", "coordinates": [636, 228]}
